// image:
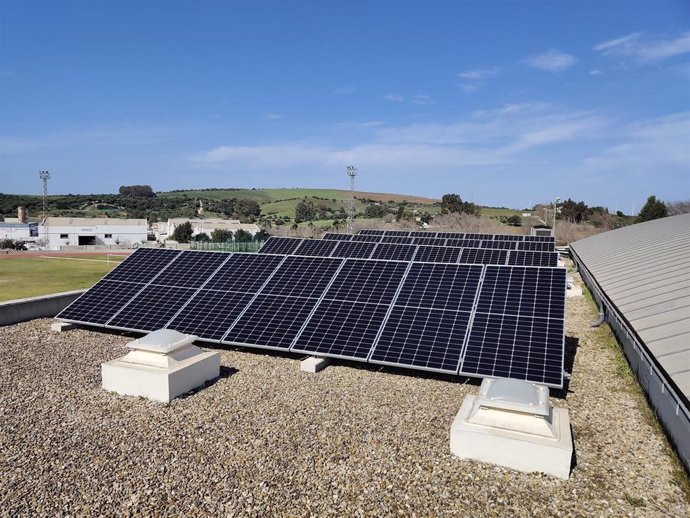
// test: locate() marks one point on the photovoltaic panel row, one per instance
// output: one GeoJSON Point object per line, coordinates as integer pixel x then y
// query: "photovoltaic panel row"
{"type": "Point", "coordinates": [101, 302]}
{"type": "Point", "coordinates": [447, 235]}
{"type": "Point", "coordinates": [499, 245]}
{"type": "Point", "coordinates": [337, 237]}
{"type": "Point", "coordinates": [536, 246]}
{"type": "Point", "coordinates": [280, 245]}
{"type": "Point", "coordinates": [142, 265]}
{"type": "Point", "coordinates": [320, 248]}
{"type": "Point", "coordinates": [529, 258]}
{"type": "Point", "coordinates": [353, 249]}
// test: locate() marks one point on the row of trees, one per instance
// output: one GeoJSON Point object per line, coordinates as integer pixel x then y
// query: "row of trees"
{"type": "Point", "coordinates": [184, 233]}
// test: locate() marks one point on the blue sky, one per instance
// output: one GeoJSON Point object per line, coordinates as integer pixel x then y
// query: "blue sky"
{"type": "Point", "coordinates": [503, 102]}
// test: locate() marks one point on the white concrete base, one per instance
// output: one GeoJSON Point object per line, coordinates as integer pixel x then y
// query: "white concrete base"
{"type": "Point", "coordinates": [59, 327]}
{"type": "Point", "coordinates": [161, 366]}
{"type": "Point", "coordinates": [575, 291]}
{"type": "Point", "coordinates": [314, 364]}
{"type": "Point", "coordinates": [489, 435]}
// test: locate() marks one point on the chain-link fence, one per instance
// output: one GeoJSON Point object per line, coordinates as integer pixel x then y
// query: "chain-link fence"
{"type": "Point", "coordinates": [228, 246]}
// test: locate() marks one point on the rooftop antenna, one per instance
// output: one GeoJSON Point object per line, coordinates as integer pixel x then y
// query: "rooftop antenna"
{"type": "Point", "coordinates": [351, 172]}
{"type": "Point", "coordinates": [45, 176]}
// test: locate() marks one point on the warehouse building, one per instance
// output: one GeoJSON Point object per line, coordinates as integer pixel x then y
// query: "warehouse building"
{"type": "Point", "coordinates": [640, 276]}
{"type": "Point", "coordinates": [59, 232]}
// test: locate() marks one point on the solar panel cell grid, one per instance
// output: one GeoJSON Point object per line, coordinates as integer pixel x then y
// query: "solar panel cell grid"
{"type": "Point", "coordinates": [499, 245]}
{"type": "Point", "coordinates": [529, 258]}
{"type": "Point", "coordinates": [101, 302]}
{"type": "Point", "coordinates": [515, 347]}
{"type": "Point", "coordinates": [302, 276]}
{"type": "Point", "coordinates": [366, 238]}
{"type": "Point", "coordinates": [523, 291]}
{"type": "Point", "coordinates": [437, 254]}
{"type": "Point", "coordinates": [372, 232]}
{"type": "Point", "coordinates": [472, 243]}
{"type": "Point", "coordinates": [350, 249]}
{"type": "Point", "coordinates": [367, 281]}
{"type": "Point", "coordinates": [280, 245]}
{"type": "Point", "coordinates": [440, 286]}
{"type": "Point", "coordinates": [393, 252]}
{"type": "Point", "coordinates": [536, 246]}
{"type": "Point", "coordinates": [430, 241]}
{"type": "Point", "coordinates": [191, 269]}
{"type": "Point", "coordinates": [321, 248]}
{"type": "Point", "coordinates": [143, 265]}
{"type": "Point", "coordinates": [210, 313]}
{"type": "Point", "coordinates": [424, 233]}
{"type": "Point", "coordinates": [152, 309]}
{"type": "Point", "coordinates": [480, 236]}
{"type": "Point", "coordinates": [271, 322]}
{"type": "Point", "coordinates": [450, 235]}
{"type": "Point", "coordinates": [508, 237]}
{"type": "Point", "coordinates": [342, 328]}
{"type": "Point", "coordinates": [399, 240]}
{"type": "Point", "coordinates": [244, 272]}
{"type": "Point", "coordinates": [423, 338]}
{"type": "Point", "coordinates": [483, 256]}
{"type": "Point", "coordinates": [397, 233]}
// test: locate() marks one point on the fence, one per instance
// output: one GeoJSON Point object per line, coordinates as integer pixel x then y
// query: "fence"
{"type": "Point", "coordinates": [229, 246]}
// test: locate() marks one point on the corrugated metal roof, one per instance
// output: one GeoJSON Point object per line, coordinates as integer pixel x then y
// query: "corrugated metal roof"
{"type": "Point", "coordinates": [90, 222]}
{"type": "Point", "coordinates": [644, 270]}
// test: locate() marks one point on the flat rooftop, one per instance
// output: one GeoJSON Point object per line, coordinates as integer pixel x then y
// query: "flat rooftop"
{"type": "Point", "coordinates": [267, 438]}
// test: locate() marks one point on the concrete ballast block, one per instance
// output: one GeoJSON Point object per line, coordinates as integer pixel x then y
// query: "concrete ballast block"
{"type": "Point", "coordinates": [59, 327]}
{"type": "Point", "coordinates": [314, 364]}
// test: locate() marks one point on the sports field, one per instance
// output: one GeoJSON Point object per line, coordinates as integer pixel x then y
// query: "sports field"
{"type": "Point", "coordinates": [22, 277]}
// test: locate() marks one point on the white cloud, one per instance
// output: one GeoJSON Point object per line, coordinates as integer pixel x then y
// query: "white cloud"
{"type": "Point", "coordinates": [477, 75]}
{"type": "Point", "coordinates": [595, 72]}
{"type": "Point", "coordinates": [469, 87]}
{"type": "Point", "coordinates": [422, 99]}
{"type": "Point", "coordinates": [272, 116]}
{"type": "Point", "coordinates": [344, 90]}
{"type": "Point", "coordinates": [395, 98]}
{"type": "Point", "coordinates": [636, 46]}
{"type": "Point", "coordinates": [552, 60]}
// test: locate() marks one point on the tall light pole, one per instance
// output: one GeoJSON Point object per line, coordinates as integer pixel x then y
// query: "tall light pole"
{"type": "Point", "coordinates": [44, 176]}
{"type": "Point", "coordinates": [555, 209]}
{"type": "Point", "coordinates": [352, 173]}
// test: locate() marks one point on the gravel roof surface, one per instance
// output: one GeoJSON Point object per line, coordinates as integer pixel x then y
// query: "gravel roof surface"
{"type": "Point", "coordinates": [267, 439]}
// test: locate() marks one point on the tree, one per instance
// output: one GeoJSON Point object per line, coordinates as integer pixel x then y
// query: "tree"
{"type": "Point", "coordinates": [242, 236]}
{"type": "Point", "coordinates": [515, 220]}
{"type": "Point", "coordinates": [375, 211]}
{"type": "Point", "coordinates": [139, 191]}
{"type": "Point", "coordinates": [221, 235]}
{"type": "Point", "coordinates": [304, 211]}
{"type": "Point", "coordinates": [261, 235]}
{"type": "Point", "coordinates": [678, 207]}
{"type": "Point", "coordinates": [451, 203]}
{"type": "Point", "coordinates": [203, 236]}
{"type": "Point", "coordinates": [183, 233]}
{"type": "Point", "coordinates": [574, 212]}
{"type": "Point", "coordinates": [653, 209]}
{"type": "Point", "coordinates": [245, 209]}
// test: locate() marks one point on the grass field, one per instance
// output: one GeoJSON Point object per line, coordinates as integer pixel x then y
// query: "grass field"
{"type": "Point", "coordinates": [22, 277]}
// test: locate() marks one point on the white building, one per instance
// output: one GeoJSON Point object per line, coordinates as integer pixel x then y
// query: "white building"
{"type": "Point", "coordinates": [58, 232]}
{"type": "Point", "coordinates": [24, 232]}
{"type": "Point", "coordinates": [164, 230]}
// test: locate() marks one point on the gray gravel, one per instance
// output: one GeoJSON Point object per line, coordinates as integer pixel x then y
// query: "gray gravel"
{"type": "Point", "coordinates": [267, 439]}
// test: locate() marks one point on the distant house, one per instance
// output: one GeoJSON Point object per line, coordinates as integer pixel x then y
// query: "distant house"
{"type": "Point", "coordinates": [24, 232]}
{"type": "Point", "coordinates": [164, 230]}
{"type": "Point", "coordinates": [58, 232]}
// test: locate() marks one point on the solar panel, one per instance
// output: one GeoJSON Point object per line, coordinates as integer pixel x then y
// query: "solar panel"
{"type": "Point", "coordinates": [337, 237]}
{"type": "Point", "coordinates": [352, 249]}
{"type": "Point", "coordinates": [191, 269]}
{"type": "Point", "coordinates": [366, 238]}
{"type": "Point", "coordinates": [431, 241]}
{"type": "Point", "coordinates": [536, 246]}
{"type": "Point", "coordinates": [342, 329]}
{"type": "Point", "coordinates": [427, 325]}
{"type": "Point", "coordinates": [152, 308]}
{"type": "Point", "coordinates": [399, 240]}
{"type": "Point", "coordinates": [244, 273]}
{"type": "Point", "coordinates": [367, 281]}
{"type": "Point", "coordinates": [349, 317]}
{"type": "Point", "coordinates": [450, 235]}
{"type": "Point", "coordinates": [372, 232]}
{"type": "Point", "coordinates": [437, 254]}
{"type": "Point", "coordinates": [528, 258]}
{"type": "Point", "coordinates": [528, 348]}
{"type": "Point", "coordinates": [321, 248]}
{"type": "Point", "coordinates": [101, 302]}
{"type": "Point", "coordinates": [210, 313]}
{"type": "Point", "coordinates": [393, 252]}
{"type": "Point", "coordinates": [271, 322]}
{"type": "Point", "coordinates": [483, 256]}
{"type": "Point", "coordinates": [472, 243]}
{"type": "Point", "coordinates": [423, 233]}
{"type": "Point", "coordinates": [523, 291]}
{"type": "Point", "coordinates": [280, 245]}
{"type": "Point", "coordinates": [142, 265]}
{"type": "Point", "coordinates": [508, 237]}
{"type": "Point", "coordinates": [479, 236]}
{"type": "Point", "coordinates": [403, 233]}
{"type": "Point", "coordinates": [302, 276]}
{"type": "Point", "coordinates": [501, 245]}
{"type": "Point", "coordinates": [549, 239]}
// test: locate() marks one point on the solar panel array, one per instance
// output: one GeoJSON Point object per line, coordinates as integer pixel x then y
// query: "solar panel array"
{"type": "Point", "coordinates": [416, 234]}
{"type": "Point", "coordinates": [465, 319]}
{"type": "Point", "coordinates": [469, 253]}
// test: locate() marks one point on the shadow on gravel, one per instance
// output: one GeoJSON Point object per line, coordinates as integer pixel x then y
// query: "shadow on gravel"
{"type": "Point", "coordinates": [225, 372]}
